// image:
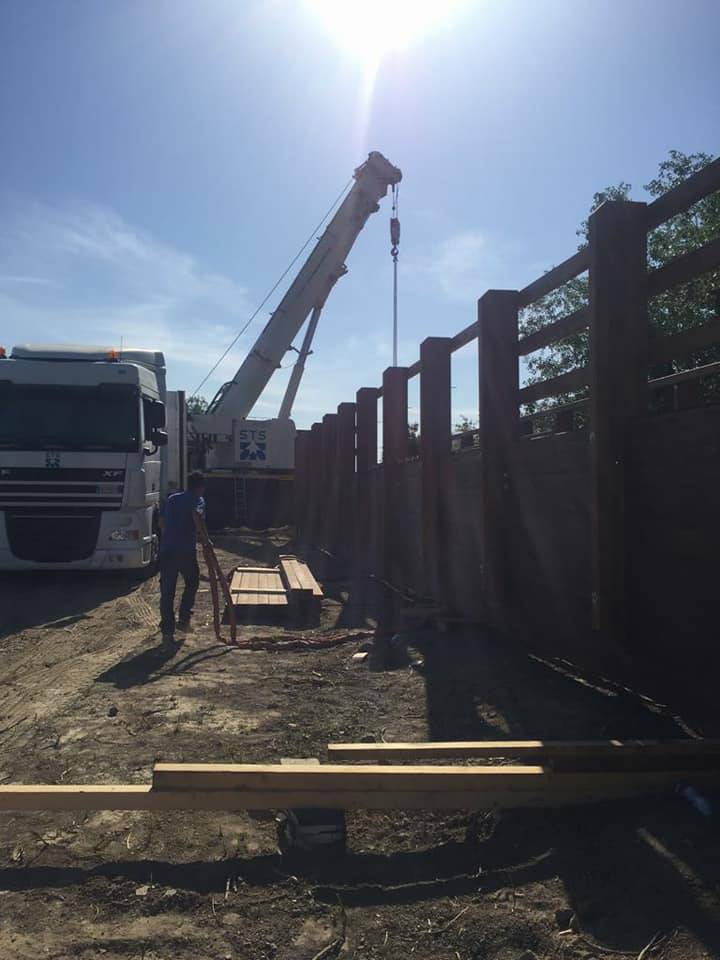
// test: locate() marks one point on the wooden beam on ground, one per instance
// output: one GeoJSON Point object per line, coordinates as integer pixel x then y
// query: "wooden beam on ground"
{"type": "Point", "coordinates": [273, 786]}
{"type": "Point", "coordinates": [393, 784]}
{"type": "Point", "coordinates": [668, 751]}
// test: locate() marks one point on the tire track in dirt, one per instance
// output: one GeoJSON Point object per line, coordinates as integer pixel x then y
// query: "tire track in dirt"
{"type": "Point", "coordinates": [53, 666]}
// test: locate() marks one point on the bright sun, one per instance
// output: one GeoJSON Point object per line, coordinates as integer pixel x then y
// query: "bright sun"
{"type": "Point", "coordinates": [370, 29]}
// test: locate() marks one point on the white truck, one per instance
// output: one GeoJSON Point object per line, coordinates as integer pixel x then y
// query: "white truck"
{"type": "Point", "coordinates": [85, 457]}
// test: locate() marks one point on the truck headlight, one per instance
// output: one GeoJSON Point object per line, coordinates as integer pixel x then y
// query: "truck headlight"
{"type": "Point", "coordinates": [120, 534]}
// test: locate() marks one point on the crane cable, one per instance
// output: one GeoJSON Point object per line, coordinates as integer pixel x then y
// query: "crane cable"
{"type": "Point", "coordinates": [272, 290]}
{"type": "Point", "coordinates": [394, 244]}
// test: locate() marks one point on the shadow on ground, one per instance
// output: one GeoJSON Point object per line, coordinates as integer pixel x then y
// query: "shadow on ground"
{"type": "Point", "coordinates": [629, 874]}
{"type": "Point", "coordinates": [67, 597]}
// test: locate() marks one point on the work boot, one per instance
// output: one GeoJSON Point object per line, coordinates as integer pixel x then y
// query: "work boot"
{"type": "Point", "coordinates": [168, 641]}
{"type": "Point", "coordinates": [184, 626]}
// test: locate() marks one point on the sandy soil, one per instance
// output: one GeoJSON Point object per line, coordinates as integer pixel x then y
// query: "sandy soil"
{"type": "Point", "coordinates": [86, 695]}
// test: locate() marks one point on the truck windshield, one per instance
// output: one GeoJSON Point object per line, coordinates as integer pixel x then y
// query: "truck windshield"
{"type": "Point", "coordinates": [56, 417]}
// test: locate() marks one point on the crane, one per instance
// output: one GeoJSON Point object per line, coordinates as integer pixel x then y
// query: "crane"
{"type": "Point", "coordinates": [230, 440]}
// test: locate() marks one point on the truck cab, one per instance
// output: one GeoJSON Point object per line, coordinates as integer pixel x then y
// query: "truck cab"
{"type": "Point", "coordinates": [83, 457]}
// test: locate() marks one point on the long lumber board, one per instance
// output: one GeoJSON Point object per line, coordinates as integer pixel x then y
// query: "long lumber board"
{"type": "Point", "coordinates": [298, 576]}
{"type": "Point", "coordinates": [257, 586]}
{"type": "Point", "coordinates": [666, 751]}
{"type": "Point", "coordinates": [487, 789]}
{"type": "Point", "coordinates": [403, 782]}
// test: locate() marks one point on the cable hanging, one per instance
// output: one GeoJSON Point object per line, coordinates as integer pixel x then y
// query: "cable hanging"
{"type": "Point", "coordinates": [271, 291]}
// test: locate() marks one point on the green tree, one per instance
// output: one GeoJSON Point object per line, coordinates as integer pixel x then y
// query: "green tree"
{"type": "Point", "coordinates": [413, 440]}
{"type": "Point", "coordinates": [464, 424]}
{"type": "Point", "coordinates": [196, 404]}
{"type": "Point", "coordinates": [689, 305]}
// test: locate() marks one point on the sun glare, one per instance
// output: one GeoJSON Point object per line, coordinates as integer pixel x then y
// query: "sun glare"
{"type": "Point", "coordinates": [369, 29]}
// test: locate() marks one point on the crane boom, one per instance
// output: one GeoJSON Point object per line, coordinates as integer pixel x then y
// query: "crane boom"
{"type": "Point", "coordinates": [309, 290]}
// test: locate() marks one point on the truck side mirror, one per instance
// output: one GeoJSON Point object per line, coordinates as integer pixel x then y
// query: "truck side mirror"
{"type": "Point", "coordinates": [155, 414]}
{"type": "Point", "coordinates": [159, 437]}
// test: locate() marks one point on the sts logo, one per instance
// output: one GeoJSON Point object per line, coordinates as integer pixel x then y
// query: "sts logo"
{"type": "Point", "coordinates": [253, 444]}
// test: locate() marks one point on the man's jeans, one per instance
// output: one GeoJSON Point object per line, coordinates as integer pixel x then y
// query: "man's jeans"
{"type": "Point", "coordinates": [172, 563]}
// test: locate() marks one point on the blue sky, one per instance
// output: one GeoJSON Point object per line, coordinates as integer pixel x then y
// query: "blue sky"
{"type": "Point", "coordinates": [162, 161]}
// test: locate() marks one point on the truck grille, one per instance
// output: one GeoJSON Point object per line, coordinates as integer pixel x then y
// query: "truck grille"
{"type": "Point", "coordinates": [43, 487]}
{"type": "Point", "coordinates": [44, 537]}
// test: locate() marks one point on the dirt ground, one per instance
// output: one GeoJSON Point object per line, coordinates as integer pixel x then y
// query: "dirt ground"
{"type": "Point", "coordinates": [86, 695]}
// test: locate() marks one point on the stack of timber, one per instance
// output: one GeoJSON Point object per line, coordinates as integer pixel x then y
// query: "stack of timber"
{"type": "Point", "coordinates": [289, 590]}
{"type": "Point", "coordinates": [346, 787]}
{"type": "Point", "coordinates": [304, 593]}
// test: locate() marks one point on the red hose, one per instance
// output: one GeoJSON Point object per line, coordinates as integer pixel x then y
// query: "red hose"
{"type": "Point", "coordinates": [215, 576]}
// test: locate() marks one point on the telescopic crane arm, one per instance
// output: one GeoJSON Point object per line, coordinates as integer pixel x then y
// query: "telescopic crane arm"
{"type": "Point", "coordinates": [308, 292]}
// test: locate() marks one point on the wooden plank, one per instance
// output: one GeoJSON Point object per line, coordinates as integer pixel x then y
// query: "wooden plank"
{"type": "Point", "coordinates": [395, 450]}
{"type": "Point", "coordinates": [679, 345]}
{"type": "Point", "coordinates": [264, 591]}
{"type": "Point", "coordinates": [707, 370]}
{"type": "Point", "coordinates": [464, 337]}
{"type": "Point", "coordinates": [314, 486]}
{"type": "Point", "coordinates": [329, 529]}
{"type": "Point", "coordinates": [289, 573]}
{"type": "Point", "coordinates": [484, 789]}
{"type": "Point", "coordinates": [621, 786]}
{"type": "Point", "coordinates": [298, 572]}
{"type": "Point", "coordinates": [564, 383]}
{"type": "Point", "coordinates": [301, 482]}
{"type": "Point", "coordinates": [435, 450]}
{"type": "Point", "coordinates": [686, 267]}
{"type": "Point", "coordinates": [618, 393]}
{"type": "Point", "coordinates": [558, 330]}
{"type": "Point", "coordinates": [554, 278]}
{"type": "Point", "coordinates": [401, 780]}
{"type": "Point", "coordinates": [529, 750]}
{"type": "Point", "coordinates": [499, 431]}
{"type": "Point", "coordinates": [366, 403]}
{"type": "Point", "coordinates": [699, 185]}
{"type": "Point", "coordinates": [345, 474]}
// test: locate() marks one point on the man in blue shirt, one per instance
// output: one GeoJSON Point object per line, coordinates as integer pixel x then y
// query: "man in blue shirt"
{"type": "Point", "coordinates": [181, 519]}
